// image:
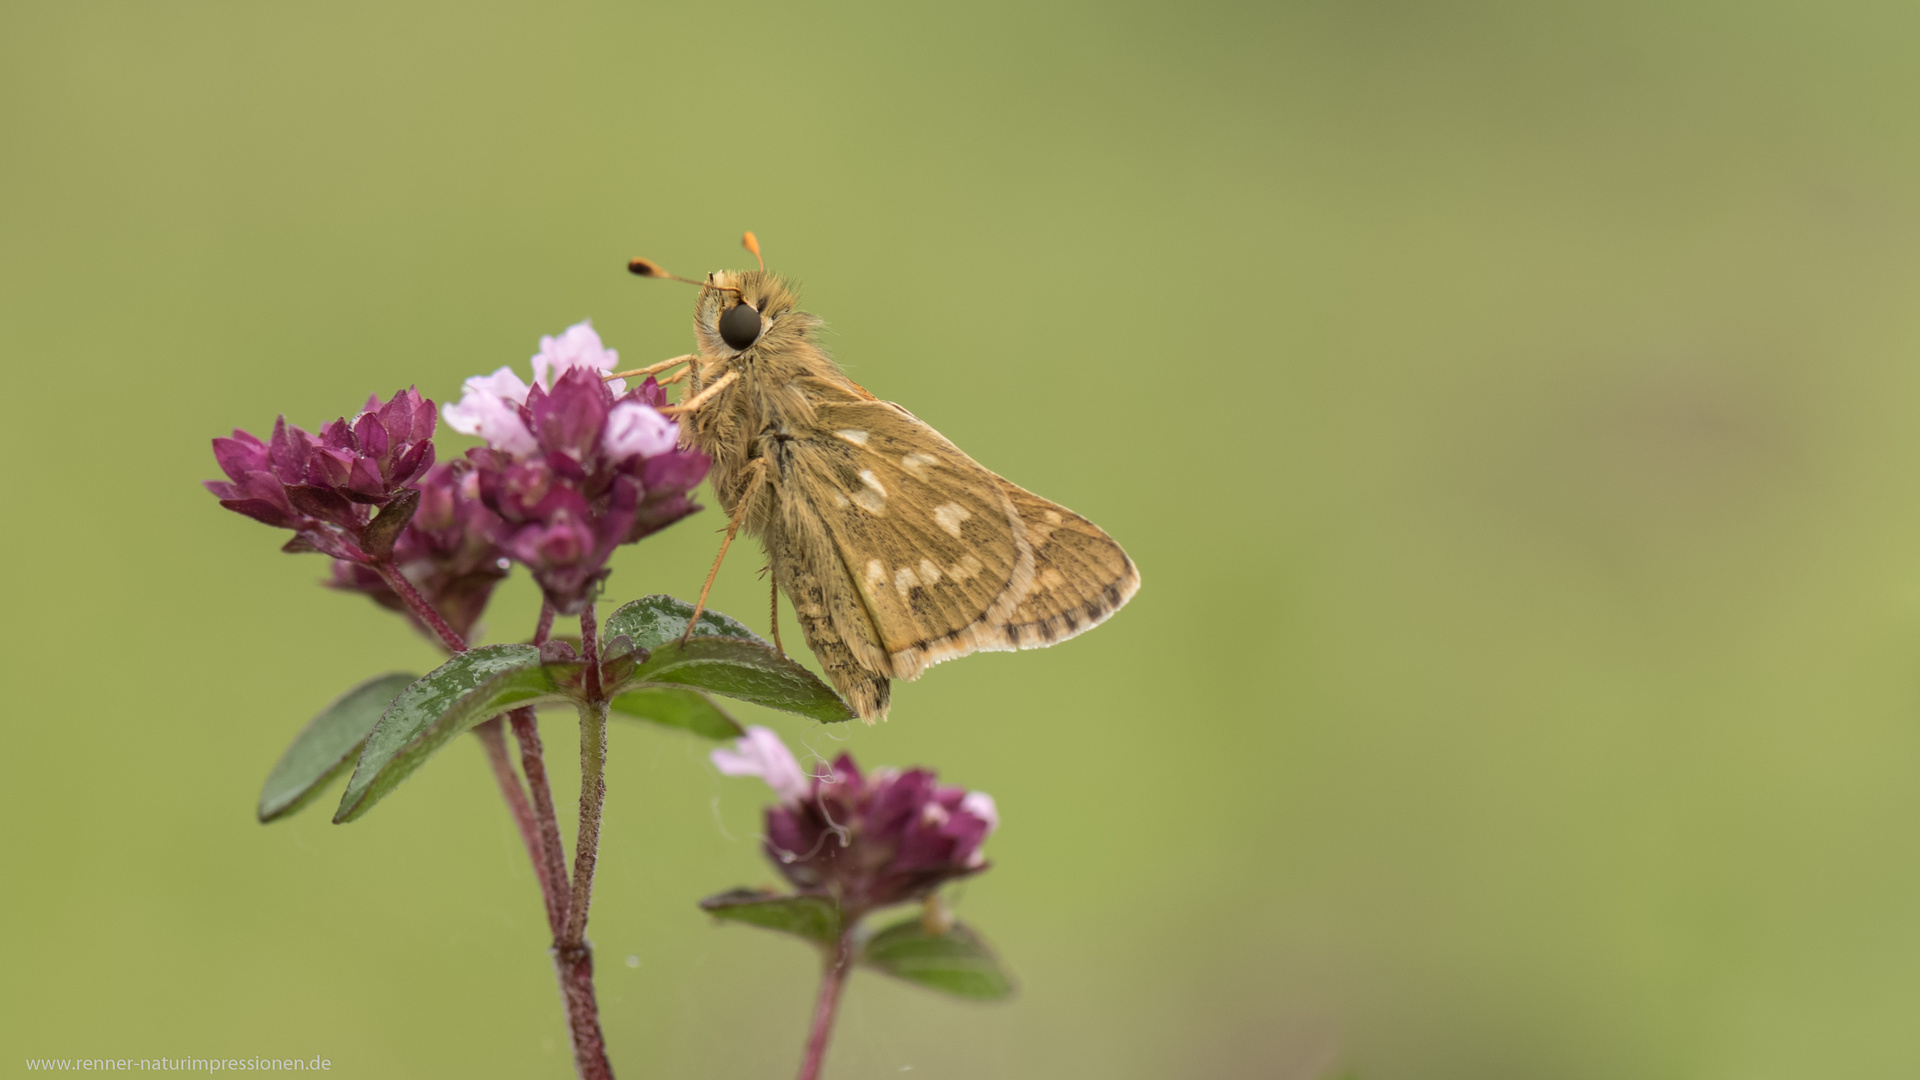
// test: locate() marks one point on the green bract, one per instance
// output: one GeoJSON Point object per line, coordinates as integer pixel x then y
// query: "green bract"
{"type": "Point", "coordinates": [460, 694]}
{"type": "Point", "coordinates": [396, 722]}
{"type": "Point", "coordinates": [956, 962]}
{"type": "Point", "coordinates": [814, 918]}
{"type": "Point", "coordinates": [327, 746]}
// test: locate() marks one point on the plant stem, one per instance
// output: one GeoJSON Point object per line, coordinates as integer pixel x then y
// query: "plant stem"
{"type": "Point", "coordinates": [493, 737]}
{"type": "Point", "coordinates": [553, 882]}
{"type": "Point", "coordinates": [573, 956]}
{"type": "Point", "coordinates": [417, 604]}
{"type": "Point", "coordinates": [575, 964]}
{"type": "Point", "coordinates": [593, 782]}
{"type": "Point", "coordinates": [593, 796]}
{"type": "Point", "coordinates": [590, 652]}
{"type": "Point", "coordinates": [832, 980]}
{"type": "Point", "coordinates": [548, 850]}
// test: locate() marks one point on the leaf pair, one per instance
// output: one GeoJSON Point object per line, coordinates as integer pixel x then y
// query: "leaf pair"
{"type": "Point", "coordinates": [389, 726]}
{"type": "Point", "coordinates": [956, 962]}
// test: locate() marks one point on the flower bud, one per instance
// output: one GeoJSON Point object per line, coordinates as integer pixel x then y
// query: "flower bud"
{"type": "Point", "coordinates": [865, 840]}
{"type": "Point", "coordinates": [327, 487]}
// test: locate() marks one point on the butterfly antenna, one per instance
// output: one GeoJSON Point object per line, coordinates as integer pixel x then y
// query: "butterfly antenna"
{"type": "Point", "coordinates": [647, 268]}
{"type": "Point", "coordinates": [752, 243]}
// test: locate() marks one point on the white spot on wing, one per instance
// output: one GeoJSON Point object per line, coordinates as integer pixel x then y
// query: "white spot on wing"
{"type": "Point", "coordinates": [872, 481]}
{"type": "Point", "coordinates": [840, 501]}
{"type": "Point", "coordinates": [857, 438]}
{"type": "Point", "coordinates": [870, 502]}
{"type": "Point", "coordinates": [967, 567]}
{"type": "Point", "coordinates": [1053, 517]}
{"type": "Point", "coordinates": [950, 516]}
{"type": "Point", "coordinates": [876, 574]}
{"type": "Point", "coordinates": [916, 462]}
{"type": "Point", "coordinates": [904, 580]}
{"type": "Point", "coordinates": [929, 573]}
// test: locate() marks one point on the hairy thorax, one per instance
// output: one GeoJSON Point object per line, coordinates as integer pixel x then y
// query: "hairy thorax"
{"type": "Point", "coordinates": [779, 381]}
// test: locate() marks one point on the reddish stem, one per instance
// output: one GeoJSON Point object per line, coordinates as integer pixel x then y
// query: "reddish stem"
{"type": "Point", "coordinates": [593, 782]}
{"type": "Point", "coordinates": [572, 956]}
{"type": "Point", "coordinates": [493, 737]}
{"type": "Point", "coordinates": [417, 604]}
{"type": "Point", "coordinates": [575, 964]}
{"type": "Point", "coordinates": [590, 652]}
{"type": "Point", "coordinates": [548, 850]}
{"type": "Point", "coordinates": [832, 980]}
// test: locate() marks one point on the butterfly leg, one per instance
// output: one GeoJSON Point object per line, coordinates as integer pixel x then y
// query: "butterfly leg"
{"type": "Point", "coordinates": [702, 397]}
{"type": "Point", "coordinates": [775, 583]}
{"type": "Point", "coordinates": [759, 474]}
{"type": "Point", "coordinates": [701, 604]}
{"type": "Point", "coordinates": [654, 368]}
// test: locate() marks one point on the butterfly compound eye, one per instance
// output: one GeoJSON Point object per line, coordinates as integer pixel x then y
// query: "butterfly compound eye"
{"type": "Point", "coordinates": [740, 326]}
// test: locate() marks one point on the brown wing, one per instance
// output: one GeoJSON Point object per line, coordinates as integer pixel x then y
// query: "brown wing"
{"type": "Point", "coordinates": [930, 539]}
{"type": "Point", "coordinates": [1080, 576]}
{"type": "Point", "coordinates": [938, 547]}
{"type": "Point", "coordinates": [825, 600]}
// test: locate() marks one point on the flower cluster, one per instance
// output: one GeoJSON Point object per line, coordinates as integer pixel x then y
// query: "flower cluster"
{"type": "Point", "coordinates": [326, 487]}
{"type": "Point", "coordinates": [447, 551]}
{"type": "Point", "coordinates": [865, 840]}
{"type": "Point", "coordinates": [573, 468]}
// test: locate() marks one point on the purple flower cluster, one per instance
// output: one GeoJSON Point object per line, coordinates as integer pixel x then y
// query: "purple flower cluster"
{"type": "Point", "coordinates": [326, 487]}
{"type": "Point", "coordinates": [447, 551]}
{"type": "Point", "coordinates": [866, 840]}
{"type": "Point", "coordinates": [574, 466]}
{"type": "Point", "coordinates": [571, 470]}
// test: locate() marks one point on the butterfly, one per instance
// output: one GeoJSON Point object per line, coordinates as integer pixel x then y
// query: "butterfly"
{"type": "Point", "coordinates": [896, 549]}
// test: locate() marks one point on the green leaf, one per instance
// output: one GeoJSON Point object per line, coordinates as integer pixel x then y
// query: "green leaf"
{"type": "Point", "coordinates": [327, 745]}
{"type": "Point", "coordinates": [812, 917]}
{"type": "Point", "coordinates": [458, 695]}
{"type": "Point", "coordinates": [746, 670]}
{"type": "Point", "coordinates": [677, 707]}
{"type": "Point", "coordinates": [956, 962]}
{"type": "Point", "coordinates": [652, 621]}
{"type": "Point", "coordinates": [723, 657]}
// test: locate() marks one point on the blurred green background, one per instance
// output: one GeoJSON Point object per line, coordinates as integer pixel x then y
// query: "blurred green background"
{"type": "Point", "coordinates": [1511, 408]}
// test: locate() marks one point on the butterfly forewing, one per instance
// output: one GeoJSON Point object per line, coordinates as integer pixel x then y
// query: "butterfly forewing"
{"type": "Point", "coordinates": [930, 539]}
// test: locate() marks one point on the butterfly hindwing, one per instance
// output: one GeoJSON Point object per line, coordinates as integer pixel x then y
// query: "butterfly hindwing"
{"type": "Point", "coordinates": [828, 605]}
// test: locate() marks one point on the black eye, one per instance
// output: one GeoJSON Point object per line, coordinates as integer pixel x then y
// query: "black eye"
{"type": "Point", "coordinates": [740, 326]}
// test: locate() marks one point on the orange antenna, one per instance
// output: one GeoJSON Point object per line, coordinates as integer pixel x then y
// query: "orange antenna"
{"type": "Point", "coordinates": [752, 244]}
{"type": "Point", "coordinates": [639, 267]}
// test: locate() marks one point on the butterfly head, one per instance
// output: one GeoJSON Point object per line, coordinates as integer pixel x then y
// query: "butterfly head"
{"type": "Point", "coordinates": [738, 309]}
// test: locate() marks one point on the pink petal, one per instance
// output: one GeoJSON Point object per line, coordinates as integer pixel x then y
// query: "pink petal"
{"type": "Point", "coordinates": [578, 346]}
{"type": "Point", "coordinates": [633, 428]}
{"type": "Point", "coordinates": [981, 805]}
{"type": "Point", "coordinates": [761, 753]}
